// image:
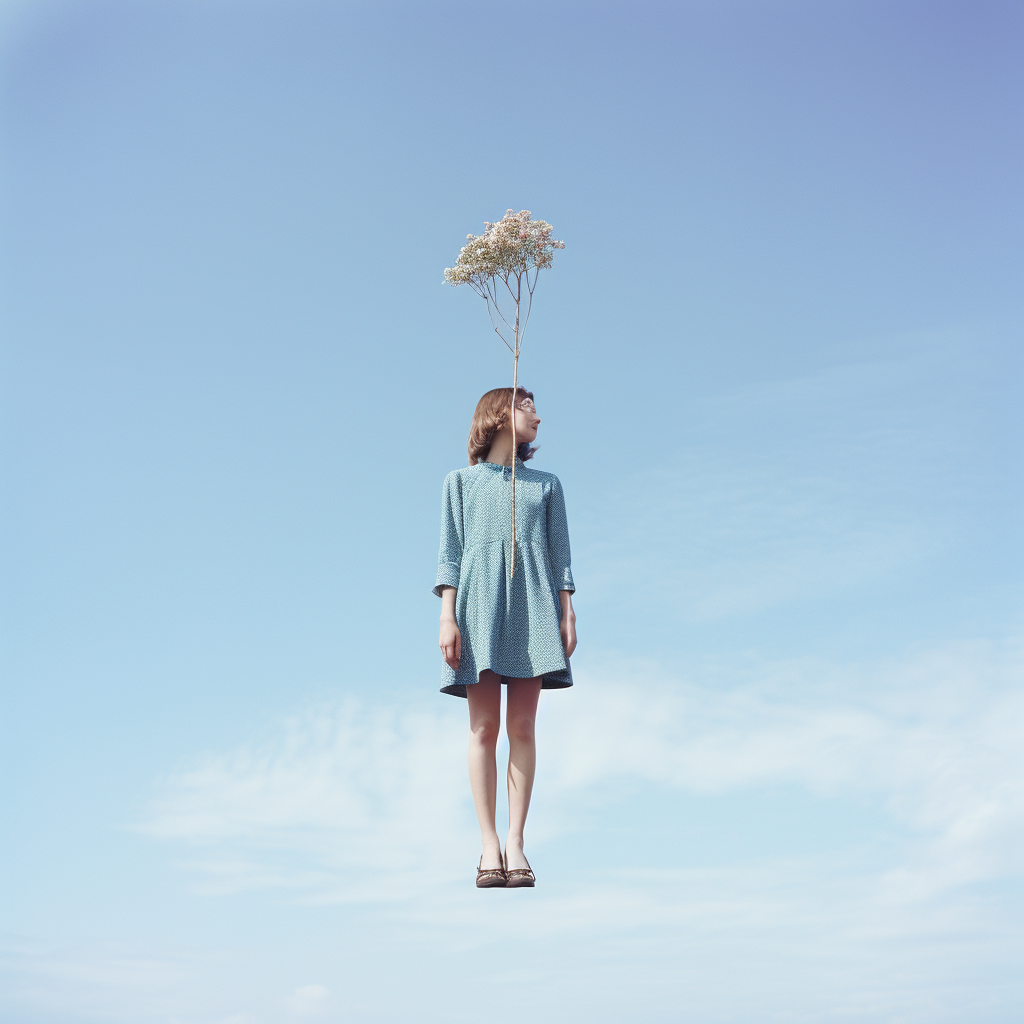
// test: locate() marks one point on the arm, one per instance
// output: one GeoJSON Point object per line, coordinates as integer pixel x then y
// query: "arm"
{"type": "Point", "coordinates": [449, 565]}
{"type": "Point", "coordinates": [567, 624]}
{"type": "Point", "coordinates": [449, 556]}
{"type": "Point", "coordinates": [558, 538]}
{"type": "Point", "coordinates": [558, 552]}
{"type": "Point", "coordinates": [449, 639]}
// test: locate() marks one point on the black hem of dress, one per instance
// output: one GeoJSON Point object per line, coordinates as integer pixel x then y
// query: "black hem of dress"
{"type": "Point", "coordinates": [459, 689]}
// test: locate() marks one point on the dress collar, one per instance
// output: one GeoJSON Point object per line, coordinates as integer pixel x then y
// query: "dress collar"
{"type": "Point", "coordinates": [498, 465]}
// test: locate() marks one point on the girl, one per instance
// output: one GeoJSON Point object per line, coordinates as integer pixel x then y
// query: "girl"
{"type": "Point", "coordinates": [519, 631]}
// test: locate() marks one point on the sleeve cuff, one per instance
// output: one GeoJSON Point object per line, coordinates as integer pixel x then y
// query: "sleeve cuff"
{"type": "Point", "coordinates": [567, 583]}
{"type": "Point", "coordinates": [447, 576]}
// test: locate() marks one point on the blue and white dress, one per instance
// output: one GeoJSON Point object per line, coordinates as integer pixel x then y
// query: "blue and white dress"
{"type": "Point", "coordinates": [510, 626]}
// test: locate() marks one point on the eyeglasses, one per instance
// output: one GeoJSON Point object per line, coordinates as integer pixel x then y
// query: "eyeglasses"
{"type": "Point", "coordinates": [527, 405]}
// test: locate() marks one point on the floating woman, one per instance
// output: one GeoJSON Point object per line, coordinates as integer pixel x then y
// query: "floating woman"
{"type": "Point", "coordinates": [499, 627]}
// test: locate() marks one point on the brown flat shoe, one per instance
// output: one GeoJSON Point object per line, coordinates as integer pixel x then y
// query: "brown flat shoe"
{"type": "Point", "coordinates": [518, 878]}
{"type": "Point", "coordinates": [490, 878]}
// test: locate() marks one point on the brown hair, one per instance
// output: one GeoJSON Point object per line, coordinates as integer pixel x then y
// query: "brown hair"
{"type": "Point", "coordinates": [490, 416]}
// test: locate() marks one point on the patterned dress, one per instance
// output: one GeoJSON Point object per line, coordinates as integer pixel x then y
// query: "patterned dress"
{"type": "Point", "coordinates": [510, 626]}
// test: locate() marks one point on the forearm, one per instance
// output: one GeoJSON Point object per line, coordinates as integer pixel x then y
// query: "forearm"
{"type": "Point", "coordinates": [448, 603]}
{"type": "Point", "coordinates": [565, 596]}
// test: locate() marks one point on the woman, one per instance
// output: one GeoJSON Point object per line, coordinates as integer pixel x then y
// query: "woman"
{"type": "Point", "coordinates": [519, 631]}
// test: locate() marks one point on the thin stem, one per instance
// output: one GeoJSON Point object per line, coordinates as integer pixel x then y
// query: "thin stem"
{"type": "Point", "coordinates": [492, 307]}
{"type": "Point", "coordinates": [497, 309]}
{"type": "Point", "coordinates": [515, 446]}
{"type": "Point", "coordinates": [492, 296]}
{"type": "Point", "coordinates": [497, 331]}
{"type": "Point", "coordinates": [515, 385]}
{"type": "Point", "coordinates": [529, 305]}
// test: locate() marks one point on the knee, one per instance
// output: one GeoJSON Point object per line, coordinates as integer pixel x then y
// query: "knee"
{"type": "Point", "coordinates": [485, 732]}
{"type": "Point", "coordinates": [520, 730]}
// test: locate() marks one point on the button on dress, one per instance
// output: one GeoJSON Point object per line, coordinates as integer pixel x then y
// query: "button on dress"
{"type": "Point", "coordinates": [510, 626]}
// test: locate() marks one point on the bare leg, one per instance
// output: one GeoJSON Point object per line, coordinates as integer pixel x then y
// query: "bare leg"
{"type": "Point", "coordinates": [484, 723]}
{"type": "Point", "coordinates": [520, 716]}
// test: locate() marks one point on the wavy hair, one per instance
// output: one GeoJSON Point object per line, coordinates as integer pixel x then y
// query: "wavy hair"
{"type": "Point", "coordinates": [490, 416]}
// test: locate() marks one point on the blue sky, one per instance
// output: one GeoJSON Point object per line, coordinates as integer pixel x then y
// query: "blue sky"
{"type": "Point", "coordinates": [778, 366]}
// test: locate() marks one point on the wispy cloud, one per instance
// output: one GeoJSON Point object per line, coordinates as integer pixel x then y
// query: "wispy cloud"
{"type": "Point", "coordinates": [336, 805]}
{"type": "Point", "coordinates": [367, 807]}
{"type": "Point", "coordinates": [309, 1000]}
{"type": "Point", "coordinates": [337, 802]}
{"type": "Point", "coordinates": [795, 489]}
{"type": "Point", "coordinates": [97, 982]}
{"type": "Point", "coordinates": [934, 743]}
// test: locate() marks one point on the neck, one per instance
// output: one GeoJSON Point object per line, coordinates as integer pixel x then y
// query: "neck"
{"type": "Point", "coordinates": [501, 449]}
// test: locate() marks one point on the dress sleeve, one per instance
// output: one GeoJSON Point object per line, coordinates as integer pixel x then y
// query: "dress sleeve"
{"type": "Point", "coordinates": [449, 557]}
{"type": "Point", "coordinates": [558, 538]}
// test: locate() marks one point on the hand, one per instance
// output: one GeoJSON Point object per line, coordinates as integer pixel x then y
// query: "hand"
{"type": "Point", "coordinates": [450, 642]}
{"type": "Point", "coordinates": [567, 627]}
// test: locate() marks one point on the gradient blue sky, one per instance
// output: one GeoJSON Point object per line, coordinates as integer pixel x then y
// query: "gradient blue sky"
{"type": "Point", "coordinates": [778, 366]}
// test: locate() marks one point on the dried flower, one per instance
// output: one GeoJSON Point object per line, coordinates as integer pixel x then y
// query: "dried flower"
{"type": "Point", "coordinates": [511, 248]}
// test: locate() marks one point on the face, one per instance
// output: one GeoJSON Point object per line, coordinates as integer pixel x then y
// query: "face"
{"type": "Point", "coordinates": [527, 421]}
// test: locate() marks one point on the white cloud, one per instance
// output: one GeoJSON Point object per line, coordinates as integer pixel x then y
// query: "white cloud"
{"type": "Point", "coordinates": [935, 743]}
{"type": "Point", "coordinates": [363, 814]}
{"type": "Point", "coordinates": [308, 999]}
{"type": "Point", "coordinates": [336, 805]}
{"type": "Point", "coordinates": [350, 788]}
{"type": "Point", "coordinates": [96, 982]}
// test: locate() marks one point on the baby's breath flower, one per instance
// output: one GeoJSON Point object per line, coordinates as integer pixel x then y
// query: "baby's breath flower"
{"type": "Point", "coordinates": [511, 247]}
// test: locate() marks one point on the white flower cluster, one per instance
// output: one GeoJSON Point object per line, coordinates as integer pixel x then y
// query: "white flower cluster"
{"type": "Point", "coordinates": [510, 248]}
